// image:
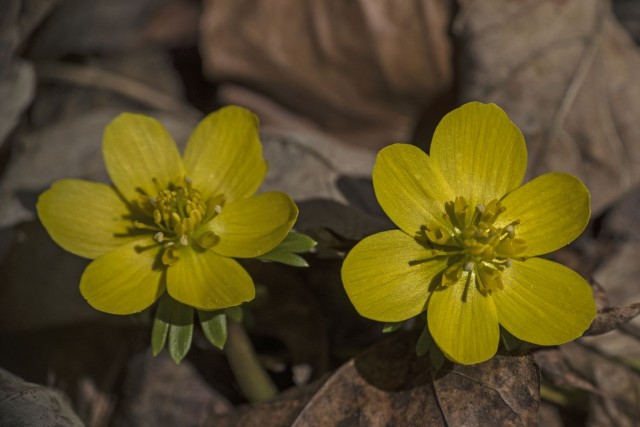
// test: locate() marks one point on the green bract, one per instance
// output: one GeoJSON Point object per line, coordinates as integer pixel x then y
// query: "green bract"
{"type": "Point", "coordinates": [469, 234]}
{"type": "Point", "coordinates": [171, 222]}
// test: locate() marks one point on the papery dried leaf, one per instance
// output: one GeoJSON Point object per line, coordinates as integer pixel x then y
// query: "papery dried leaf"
{"type": "Point", "coordinates": [333, 65]}
{"type": "Point", "coordinates": [390, 385]}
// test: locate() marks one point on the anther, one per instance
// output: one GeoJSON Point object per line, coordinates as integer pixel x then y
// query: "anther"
{"type": "Point", "coordinates": [184, 240]}
{"type": "Point", "coordinates": [208, 239]}
{"type": "Point", "coordinates": [510, 230]}
{"type": "Point", "coordinates": [175, 217]}
{"type": "Point", "coordinates": [468, 266]}
{"type": "Point", "coordinates": [159, 237]}
{"type": "Point", "coordinates": [170, 255]}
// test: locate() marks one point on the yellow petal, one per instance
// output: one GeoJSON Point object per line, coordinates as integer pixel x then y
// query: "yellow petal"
{"type": "Point", "coordinates": [224, 154]}
{"type": "Point", "coordinates": [253, 226]}
{"type": "Point", "coordinates": [463, 322]}
{"type": "Point", "coordinates": [553, 209]}
{"type": "Point", "coordinates": [126, 280]}
{"type": "Point", "coordinates": [207, 281]}
{"type": "Point", "coordinates": [544, 302]}
{"type": "Point", "coordinates": [410, 188]}
{"type": "Point", "coordinates": [382, 280]}
{"type": "Point", "coordinates": [480, 151]}
{"type": "Point", "coordinates": [85, 218]}
{"type": "Point", "coordinates": [136, 150]}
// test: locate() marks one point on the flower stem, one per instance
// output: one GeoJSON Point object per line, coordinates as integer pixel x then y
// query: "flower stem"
{"type": "Point", "coordinates": [253, 380]}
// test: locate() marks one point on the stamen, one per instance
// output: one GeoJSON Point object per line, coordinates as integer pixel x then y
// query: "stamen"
{"type": "Point", "coordinates": [510, 230]}
{"type": "Point", "coordinates": [159, 237]}
{"type": "Point", "coordinates": [208, 239]}
{"type": "Point", "coordinates": [157, 217]}
{"type": "Point", "coordinates": [142, 226]}
{"type": "Point", "coordinates": [170, 255]}
{"type": "Point", "coordinates": [452, 274]}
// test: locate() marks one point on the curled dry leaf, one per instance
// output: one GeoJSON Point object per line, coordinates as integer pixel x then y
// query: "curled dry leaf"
{"type": "Point", "coordinates": [611, 318]}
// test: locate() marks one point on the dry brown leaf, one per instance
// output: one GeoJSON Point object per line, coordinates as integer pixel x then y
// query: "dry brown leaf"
{"type": "Point", "coordinates": [150, 398]}
{"type": "Point", "coordinates": [78, 27]}
{"type": "Point", "coordinates": [566, 73]}
{"type": "Point", "coordinates": [611, 318]}
{"type": "Point", "coordinates": [554, 367]}
{"type": "Point", "coordinates": [389, 385]}
{"type": "Point", "coordinates": [618, 386]}
{"type": "Point", "coordinates": [612, 385]}
{"type": "Point", "coordinates": [23, 403]}
{"type": "Point", "coordinates": [17, 87]}
{"type": "Point", "coordinates": [618, 274]}
{"type": "Point", "coordinates": [332, 65]}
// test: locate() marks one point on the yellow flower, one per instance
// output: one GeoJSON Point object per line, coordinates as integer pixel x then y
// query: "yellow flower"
{"type": "Point", "coordinates": [170, 222]}
{"type": "Point", "coordinates": [468, 240]}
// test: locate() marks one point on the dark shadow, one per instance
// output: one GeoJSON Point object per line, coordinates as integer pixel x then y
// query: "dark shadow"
{"type": "Point", "coordinates": [28, 199]}
{"type": "Point", "coordinates": [392, 364]}
{"type": "Point", "coordinates": [360, 194]}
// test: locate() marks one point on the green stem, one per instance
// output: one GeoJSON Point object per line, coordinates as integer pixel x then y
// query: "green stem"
{"type": "Point", "coordinates": [253, 380]}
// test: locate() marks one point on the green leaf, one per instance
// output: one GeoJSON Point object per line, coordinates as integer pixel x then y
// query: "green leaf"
{"type": "Point", "coordinates": [436, 357]}
{"type": "Point", "coordinates": [425, 342]}
{"type": "Point", "coordinates": [178, 318]}
{"type": "Point", "coordinates": [510, 342]}
{"type": "Point", "coordinates": [297, 242]}
{"type": "Point", "coordinates": [214, 326]}
{"type": "Point", "coordinates": [283, 257]}
{"type": "Point", "coordinates": [391, 327]}
{"type": "Point", "coordinates": [160, 328]}
{"type": "Point", "coordinates": [426, 345]}
{"type": "Point", "coordinates": [235, 313]}
{"type": "Point", "coordinates": [285, 252]}
{"type": "Point", "coordinates": [180, 337]}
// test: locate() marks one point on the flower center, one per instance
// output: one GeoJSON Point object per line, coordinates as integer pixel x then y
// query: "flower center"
{"type": "Point", "coordinates": [474, 244]}
{"type": "Point", "coordinates": [177, 213]}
